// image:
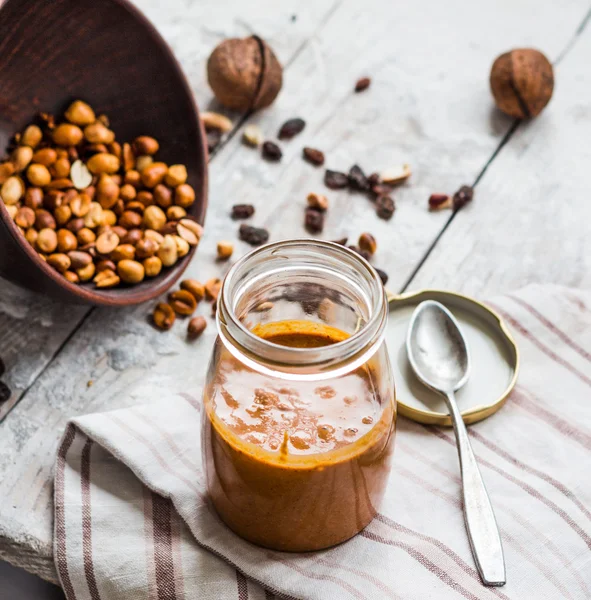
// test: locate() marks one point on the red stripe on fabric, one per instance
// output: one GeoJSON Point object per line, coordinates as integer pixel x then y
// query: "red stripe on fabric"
{"type": "Point", "coordinates": [87, 521]}
{"type": "Point", "coordinates": [161, 516]}
{"type": "Point", "coordinates": [530, 336]}
{"type": "Point", "coordinates": [60, 516]}
{"type": "Point", "coordinates": [324, 577]}
{"type": "Point", "coordinates": [177, 555]}
{"type": "Point", "coordinates": [555, 421]}
{"type": "Point", "coordinates": [242, 586]}
{"type": "Point", "coordinates": [530, 490]}
{"type": "Point", "coordinates": [439, 544]}
{"type": "Point", "coordinates": [549, 325]}
{"type": "Point", "coordinates": [422, 560]}
{"type": "Point", "coordinates": [533, 471]}
{"type": "Point", "coordinates": [149, 543]}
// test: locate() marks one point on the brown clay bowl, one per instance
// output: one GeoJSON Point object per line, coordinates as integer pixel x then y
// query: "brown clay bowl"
{"type": "Point", "coordinates": [106, 53]}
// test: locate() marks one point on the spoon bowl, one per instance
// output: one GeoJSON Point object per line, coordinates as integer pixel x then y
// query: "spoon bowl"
{"type": "Point", "coordinates": [437, 349]}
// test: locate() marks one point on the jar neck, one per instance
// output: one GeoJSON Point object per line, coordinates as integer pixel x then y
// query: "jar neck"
{"type": "Point", "coordinates": [302, 280]}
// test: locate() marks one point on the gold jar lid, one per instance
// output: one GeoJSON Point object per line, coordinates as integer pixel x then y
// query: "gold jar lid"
{"type": "Point", "coordinates": [494, 354]}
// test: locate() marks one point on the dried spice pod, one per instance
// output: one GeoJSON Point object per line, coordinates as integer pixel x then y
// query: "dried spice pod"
{"type": "Point", "coordinates": [244, 74]}
{"type": "Point", "coordinates": [522, 82]}
{"type": "Point", "coordinates": [440, 201]}
{"type": "Point", "coordinates": [313, 156]}
{"type": "Point", "coordinates": [335, 180]}
{"type": "Point", "coordinates": [196, 327]}
{"type": "Point", "coordinates": [291, 128]}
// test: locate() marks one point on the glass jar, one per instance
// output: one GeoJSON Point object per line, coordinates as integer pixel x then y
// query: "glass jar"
{"type": "Point", "coordinates": [299, 405]}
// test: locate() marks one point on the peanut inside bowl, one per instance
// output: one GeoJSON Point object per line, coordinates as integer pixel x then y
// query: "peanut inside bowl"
{"type": "Point", "coordinates": [150, 108]}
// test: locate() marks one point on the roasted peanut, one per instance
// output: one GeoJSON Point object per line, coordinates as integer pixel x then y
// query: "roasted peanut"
{"type": "Point", "coordinates": [154, 174]}
{"type": "Point", "coordinates": [66, 241]}
{"type": "Point", "coordinates": [67, 134]}
{"type": "Point", "coordinates": [44, 219]}
{"type": "Point", "coordinates": [162, 196]}
{"type": "Point", "coordinates": [152, 266]}
{"type": "Point", "coordinates": [97, 133]}
{"type": "Point", "coordinates": [163, 316]}
{"type": "Point", "coordinates": [106, 242]}
{"type": "Point", "coordinates": [103, 163]}
{"type": "Point", "coordinates": [167, 252]}
{"type": "Point", "coordinates": [106, 279]}
{"type": "Point", "coordinates": [130, 271]}
{"type": "Point", "coordinates": [86, 273]}
{"type": "Point", "coordinates": [47, 240]}
{"type": "Point", "coordinates": [25, 217]}
{"type": "Point", "coordinates": [196, 327]}
{"type": "Point", "coordinates": [38, 175]}
{"type": "Point", "coordinates": [32, 135]}
{"type": "Point", "coordinates": [80, 113]}
{"type": "Point", "coordinates": [130, 219]}
{"type": "Point", "coordinates": [176, 175]}
{"type": "Point", "coordinates": [145, 145]}
{"type": "Point", "coordinates": [123, 252]}
{"type": "Point", "coordinates": [12, 190]}
{"type": "Point", "coordinates": [182, 246]}
{"type": "Point", "coordinates": [175, 213]}
{"type": "Point", "coordinates": [225, 250]}
{"type": "Point", "coordinates": [21, 157]}
{"type": "Point", "coordinates": [60, 262]}
{"type": "Point", "coordinates": [154, 218]}
{"type": "Point", "coordinates": [184, 195]}
{"type": "Point", "coordinates": [45, 156]}
{"type": "Point", "coordinates": [79, 259]}
{"type": "Point", "coordinates": [194, 287]}
{"type": "Point", "coordinates": [212, 288]}
{"type": "Point", "coordinates": [183, 303]}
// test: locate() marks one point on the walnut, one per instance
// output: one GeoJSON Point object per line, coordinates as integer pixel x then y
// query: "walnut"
{"type": "Point", "coordinates": [244, 74]}
{"type": "Point", "coordinates": [522, 82]}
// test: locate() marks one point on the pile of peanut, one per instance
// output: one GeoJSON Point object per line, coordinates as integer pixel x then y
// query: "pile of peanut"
{"type": "Point", "coordinates": [95, 209]}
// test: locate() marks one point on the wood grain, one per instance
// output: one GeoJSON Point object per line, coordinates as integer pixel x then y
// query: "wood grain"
{"type": "Point", "coordinates": [428, 105]}
{"type": "Point", "coordinates": [529, 221]}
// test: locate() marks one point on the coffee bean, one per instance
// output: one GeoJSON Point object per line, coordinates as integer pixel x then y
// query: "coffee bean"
{"type": "Point", "coordinates": [362, 84]}
{"type": "Point", "coordinates": [314, 220]}
{"type": "Point", "coordinates": [463, 196]}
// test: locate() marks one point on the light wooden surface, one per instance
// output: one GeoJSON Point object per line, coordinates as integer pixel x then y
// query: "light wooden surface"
{"type": "Point", "coordinates": [429, 105]}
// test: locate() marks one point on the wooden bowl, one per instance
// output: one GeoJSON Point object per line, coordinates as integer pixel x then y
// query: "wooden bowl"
{"type": "Point", "coordinates": [106, 53]}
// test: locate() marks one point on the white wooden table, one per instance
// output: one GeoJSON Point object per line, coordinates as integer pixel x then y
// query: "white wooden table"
{"type": "Point", "coordinates": [429, 105]}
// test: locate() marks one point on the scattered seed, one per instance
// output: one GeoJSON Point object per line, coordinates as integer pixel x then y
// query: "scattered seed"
{"type": "Point", "coordinates": [182, 302]}
{"type": "Point", "coordinates": [463, 196]}
{"type": "Point", "coordinates": [272, 152]}
{"type": "Point", "coordinates": [242, 211]}
{"type": "Point", "coordinates": [368, 243]}
{"type": "Point", "coordinates": [263, 307]}
{"type": "Point", "coordinates": [212, 288]}
{"type": "Point", "coordinates": [381, 189]}
{"type": "Point", "coordinates": [440, 201]}
{"type": "Point", "coordinates": [341, 242]}
{"type": "Point", "coordinates": [385, 207]}
{"type": "Point", "coordinates": [362, 84]}
{"type": "Point", "coordinates": [335, 180]}
{"type": "Point", "coordinates": [374, 179]}
{"type": "Point", "coordinates": [317, 201]}
{"type": "Point", "coordinates": [395, 175]}
{"type": "Point", "coordinates": [213, 120]}
{"type": "Point", "coordinates": [252, 136]}
{"type": "Point", "coordinates": [194, 287]}
{"type": "Point", "coordinates": [196, 327]}
{"type": "Point", "coordinates": [314, 220]}
{"type": "Point", "coordinates": [255, 236]}
{"type": "Point", "coordinates": [225, 250]}
{"type": "Point", "coordinates": [313, 156]}
{"type": "Point", "coordinates": [291, 128]}
{"type": "Point", "coordinates": [163, 316]}
{"type": "Point", "coordinates": [357, 179]}
{"type": "Point", "coordinates": [363, 253]}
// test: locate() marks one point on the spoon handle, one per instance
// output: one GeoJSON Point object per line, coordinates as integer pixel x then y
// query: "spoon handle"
{"type": "Point", "coordinates": [481, 524]}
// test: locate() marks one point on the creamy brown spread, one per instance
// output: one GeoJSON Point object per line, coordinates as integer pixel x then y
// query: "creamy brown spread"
{"type": "Point", "coordinates": [296, 465]}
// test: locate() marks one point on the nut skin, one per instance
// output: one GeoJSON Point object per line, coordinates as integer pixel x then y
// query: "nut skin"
{"type": "Point", "coordinates": [154, 174]}
{"type": "Point", "coordinates": [184, 195]}
{"type": "Point", "coordinates": [80, 113]}
{"type": "Point", "coordinates": [103, 162]}
{"type": "Point", "coordinates": [244, 73]}
{"type": "Point", "coordinates": [32, 135]}
{"type": "Point", "coordinates": [67, 134]}
{"type": "Point", "coordinates": [196, 327]}
{"type": "Point", "coordinates": [194, 287]}
{"type": "Point", "coordinates": [182, 302]}
{"type": "Point", "coordinates": [522, 82]}
{"type": "Point", "coordinates": [224, 250]}
{"type": "Point", "coordinates": [130, 271]}
{"type": "Point", "coordinates": [145, 144]}
{"type": "Point", "coordinates": [212, 288]}
{"type": "Point", "coordinates": [367, 242]}
{"type": "Point", "coordinates": [152, 266]}
{"type": "Point", "coordinates": [163, 316]}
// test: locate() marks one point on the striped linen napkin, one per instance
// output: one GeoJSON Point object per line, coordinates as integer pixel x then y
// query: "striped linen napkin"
{"type": "Point", "coordinates": [132, 521]}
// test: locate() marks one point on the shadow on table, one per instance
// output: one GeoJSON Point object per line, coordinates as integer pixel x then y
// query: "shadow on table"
{"type": "Point", "coordinates": [16, 584]}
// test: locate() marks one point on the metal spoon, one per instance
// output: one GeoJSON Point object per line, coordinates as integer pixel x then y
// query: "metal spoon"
{"type": "Point", "coordinates": [439, 356]}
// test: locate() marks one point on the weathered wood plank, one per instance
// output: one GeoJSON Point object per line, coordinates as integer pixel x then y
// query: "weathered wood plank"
{"type": "Point", "coordinates": [32, 329]}
{"type": "Point", "coordinates": [429, 105]}
{"type": "Point", "coordinates": [531, 215]}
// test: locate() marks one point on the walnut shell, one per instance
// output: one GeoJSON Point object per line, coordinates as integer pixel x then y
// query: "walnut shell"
{"type": "Point", "coordinates": [244, 74]}
{"type": "Point", "coordinates": [522, 82]}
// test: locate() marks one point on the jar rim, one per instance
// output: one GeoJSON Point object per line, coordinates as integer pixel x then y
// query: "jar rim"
{"type": "Point", "coordinates": [310, 363]}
